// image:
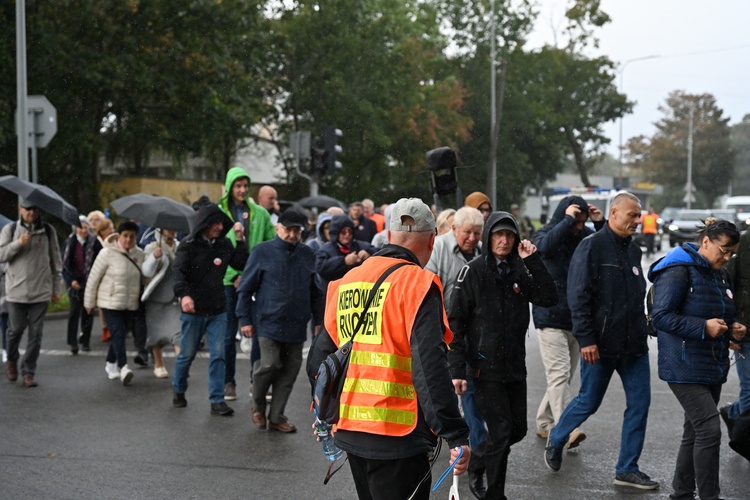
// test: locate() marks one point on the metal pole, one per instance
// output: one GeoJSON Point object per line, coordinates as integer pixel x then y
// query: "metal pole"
{"type": "Point", "coordinates": [493, 114]}
{"type": "Point", "coordinates": [23, 154]}
{"type": "Point", "coordinates": [690, 157]}
{"type": "Point", "coordinates": [32, 146]}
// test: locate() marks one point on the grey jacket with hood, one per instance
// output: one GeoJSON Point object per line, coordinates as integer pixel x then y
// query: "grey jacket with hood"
{"type": "Point", "coordinates": [489, 314]}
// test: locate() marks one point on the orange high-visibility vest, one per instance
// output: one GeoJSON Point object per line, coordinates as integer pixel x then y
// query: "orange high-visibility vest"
{"type": "Point", "coordinates": [649, 223]}
{"type": "Point", "coordinates": [379, 395]}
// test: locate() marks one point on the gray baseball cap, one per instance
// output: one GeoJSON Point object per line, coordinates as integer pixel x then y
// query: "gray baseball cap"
{"type": "Point", "coordinates": [415, 208]}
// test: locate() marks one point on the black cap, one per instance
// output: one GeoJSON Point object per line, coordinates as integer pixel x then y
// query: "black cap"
{"type": "Point", "coordinates": [292, 218]}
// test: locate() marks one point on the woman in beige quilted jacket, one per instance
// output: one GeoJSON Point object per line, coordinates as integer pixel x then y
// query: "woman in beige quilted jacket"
{"type": "Point", "coordinates": [114, 286]}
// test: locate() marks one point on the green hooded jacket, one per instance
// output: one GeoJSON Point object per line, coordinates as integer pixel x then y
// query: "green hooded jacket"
{"type": "Point", "coordinates": [259, 221]}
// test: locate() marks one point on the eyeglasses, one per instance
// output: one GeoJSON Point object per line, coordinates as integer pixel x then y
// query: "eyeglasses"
{"type": "Point", "coordinates": [485, 210]}
{"type": "Point", "coordinates": [346, 230]}
{"type": "Point", "coordinates": [724, 252]}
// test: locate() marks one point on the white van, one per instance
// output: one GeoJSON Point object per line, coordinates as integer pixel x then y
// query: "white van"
{"type": "Point", "coordinates": [601, 198]}
{"type": "Point", "coordinates": [742, 205]}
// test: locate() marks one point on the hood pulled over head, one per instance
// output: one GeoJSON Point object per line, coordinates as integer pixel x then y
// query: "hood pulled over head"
{"type": "Point", "coordinates": [495, 220]}
{"type": "Point", "coordinates": [338, 223]}
{"type": "Point", "coordinates": [206, 215]}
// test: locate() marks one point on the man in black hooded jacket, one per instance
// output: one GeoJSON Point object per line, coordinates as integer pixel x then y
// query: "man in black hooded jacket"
{"type": "Point", "coordinates": [489, 316]}
{"type": "Point", "coordinates": [200, 264]}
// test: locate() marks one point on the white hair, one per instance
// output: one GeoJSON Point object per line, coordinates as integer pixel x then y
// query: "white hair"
{"type": "Point", "coordinates": [468, 215]}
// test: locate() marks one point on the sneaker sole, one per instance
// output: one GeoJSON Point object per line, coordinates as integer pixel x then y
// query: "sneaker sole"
{"type": "Point", "coordinates": [230, 398]}
{"type": "Point", "coordinates": [618, 482]}
{"type": "Point", "coordinates": [580, 438]}
{"type": "Point", "coordinates": [128, 378]}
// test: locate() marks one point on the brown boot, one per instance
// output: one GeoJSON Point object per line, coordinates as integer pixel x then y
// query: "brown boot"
{"type": "Point", "coordinates": [28, 381]}
{"type": "Point", "coordinates": [105, 334]}
{"type": "Point", "coordinates": [11, 370]}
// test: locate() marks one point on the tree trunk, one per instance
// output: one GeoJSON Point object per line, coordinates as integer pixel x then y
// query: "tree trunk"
{"type": "Point", "coordinates": [578, 156]}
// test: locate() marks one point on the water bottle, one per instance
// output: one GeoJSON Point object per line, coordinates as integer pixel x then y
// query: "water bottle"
{"type": "Point", "coordinates": [330, 450]}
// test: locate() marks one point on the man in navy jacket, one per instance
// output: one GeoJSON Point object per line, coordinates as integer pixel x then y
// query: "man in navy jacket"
{"type": "Point", "coordinates": [606, 292]}
{"type": "Point", "coordinates": [281, 275]}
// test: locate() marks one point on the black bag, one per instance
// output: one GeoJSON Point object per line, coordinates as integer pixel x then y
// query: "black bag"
{"type": "Point", "coordinates": [739, 440]}
{"type": "Point", "coordinates": [329, 383]}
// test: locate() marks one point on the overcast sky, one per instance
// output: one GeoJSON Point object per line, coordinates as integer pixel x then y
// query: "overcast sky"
{"type": "Point", "coordinates": [703, 47]}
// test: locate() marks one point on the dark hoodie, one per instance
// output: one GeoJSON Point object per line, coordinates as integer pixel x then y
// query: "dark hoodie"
{"type": "Point", "coordinates": [329, 260]}
{"type": "Point", "coordinates": [489, 314]}
{"type": "Point", "coordinates": [200, 264]}
{"type": "Point", "coordinates": [556, 243]}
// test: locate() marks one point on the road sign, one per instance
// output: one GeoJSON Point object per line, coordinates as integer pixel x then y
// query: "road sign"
{"type": "Point", "coordinates": [41, 125]}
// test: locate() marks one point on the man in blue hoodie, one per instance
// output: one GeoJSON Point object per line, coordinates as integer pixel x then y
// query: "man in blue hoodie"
{"type": "Point", "coordinates": [280, 274]}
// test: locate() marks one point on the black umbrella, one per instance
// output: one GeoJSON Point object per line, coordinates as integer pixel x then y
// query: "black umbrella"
{"type": "Point", "coordinates": [43, 197]}
{"type": "Point", "coordinates": [4, 221]}
{"type": "Point", "coordinates": [156, 211]}
{"type": "Point", "coordinates": [320, 201]}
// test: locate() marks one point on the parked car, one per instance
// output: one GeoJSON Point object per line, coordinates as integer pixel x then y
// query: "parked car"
{"type": "Point", "coordinates": [742, 205]}
{"type": "Point", "coordinates": [684, 227]}
{"type": "Point", "coordinates": [727, 214]}
{"type": "Point", "coordinates": [668, 214]}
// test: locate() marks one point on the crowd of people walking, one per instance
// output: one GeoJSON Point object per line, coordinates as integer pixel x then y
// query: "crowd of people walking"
{"type": "Point", "coordinates": [450, 318]}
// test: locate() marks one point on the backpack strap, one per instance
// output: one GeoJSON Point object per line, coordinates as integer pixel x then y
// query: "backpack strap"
{"type": "Point", "coordinates": [374, 292]}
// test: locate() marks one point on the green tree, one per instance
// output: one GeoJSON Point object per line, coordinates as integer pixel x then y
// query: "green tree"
{"type": "Point", "coordinates": [130, 78]}
{"type": "Point", "coordinates": [713, 159]}
{"type": "Point", "coordinates": [740, 140]}
{"type": "Point", "coordinates": [372, 69]}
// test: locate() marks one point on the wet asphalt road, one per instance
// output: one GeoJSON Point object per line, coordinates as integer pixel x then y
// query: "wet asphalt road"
{"type": "Point", "coordinates": [81, 436]}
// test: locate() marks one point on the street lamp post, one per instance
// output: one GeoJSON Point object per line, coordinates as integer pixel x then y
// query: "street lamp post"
{"type": "Point", "coordinates": [621, 70]}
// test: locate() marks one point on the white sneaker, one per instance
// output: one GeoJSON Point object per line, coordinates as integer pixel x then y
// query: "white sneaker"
{"type": "Point", "coordinates": [5, 356]}
{"type": "Point", "coordinates": [112, 372]}
{"type": "Point", "coordinates": [160, 372]}
{"type": "Point", "coordinates": [126, 375]}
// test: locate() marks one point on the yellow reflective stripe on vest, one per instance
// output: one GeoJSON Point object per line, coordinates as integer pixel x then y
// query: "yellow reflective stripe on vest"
{"type": "Point", "coordinates": [380, 359]}
{"type": "Point", "coordinates": [379, 388]}
{"type": "Point", "coordinates": [369, 414]}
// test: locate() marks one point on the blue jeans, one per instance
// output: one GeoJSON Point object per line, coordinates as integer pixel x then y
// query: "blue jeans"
{"type": "Point", "coordinates": [477, 429]}
{"type": "Point", "coordinates": [743, 372]}
{"type": "Point", "coordinates": [636, 381]}
{"type": "Point", "coordinates": [118, 323]}
{"type": "Point", "coordinates": [230, 345]}
{"type": "Point", "coordinates": [193, 329]}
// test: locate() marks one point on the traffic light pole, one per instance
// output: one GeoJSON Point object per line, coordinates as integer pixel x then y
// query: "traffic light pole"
{"type": "Point", "coordinates": [23, 154]}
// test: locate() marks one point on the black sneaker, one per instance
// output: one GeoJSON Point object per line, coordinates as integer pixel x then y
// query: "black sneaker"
{"type": "Point", "coordinates": [179, 400]}
{"type": "Point", "coordinates": [724, 412]}
{"type": "Point", "coordinates": [636, 480]}
{"type": "Point", "coordinates": [553, 457]}
{"type": "Point", "coordinates": [141, 359]}
{"type": "Point", "coordinates": [221, 409]}
{"type": "Point", "coordinates": [85, 347]}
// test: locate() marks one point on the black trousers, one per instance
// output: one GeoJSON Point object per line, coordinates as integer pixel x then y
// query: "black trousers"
{"type": "Point", "coordinates": [391, 479]}
{"type": "Point", "coordinates": [503, 408]}
{"type": "Point", "coordinates": [76, 313]}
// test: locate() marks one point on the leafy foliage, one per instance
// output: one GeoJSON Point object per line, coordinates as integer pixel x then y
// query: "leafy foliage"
{"type": "Point", "coordinates": [664, 156]}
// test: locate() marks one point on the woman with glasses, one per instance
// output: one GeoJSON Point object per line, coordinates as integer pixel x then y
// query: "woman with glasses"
{"type": "Point", "coordinates": [694, 313]}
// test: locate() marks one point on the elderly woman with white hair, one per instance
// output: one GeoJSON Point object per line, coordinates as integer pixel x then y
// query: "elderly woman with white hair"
{"type": "Point", "coordinates": [162, 307]}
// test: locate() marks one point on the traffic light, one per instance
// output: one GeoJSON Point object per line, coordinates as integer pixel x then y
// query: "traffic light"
{"type": "Point", "coordinates": [330, 135]}
{"type": "Point", "coordinates": [442, 165]}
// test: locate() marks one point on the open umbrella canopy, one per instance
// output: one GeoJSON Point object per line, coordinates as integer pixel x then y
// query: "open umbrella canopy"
{"type": "Point", "coordinates": [4, 221]}
{"type": "Point", "coordinates": [156, 211]}
{"type": "Point", "coordinates": [43, 197]}
{"type": "Point", "coordinates": [320, 201]}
